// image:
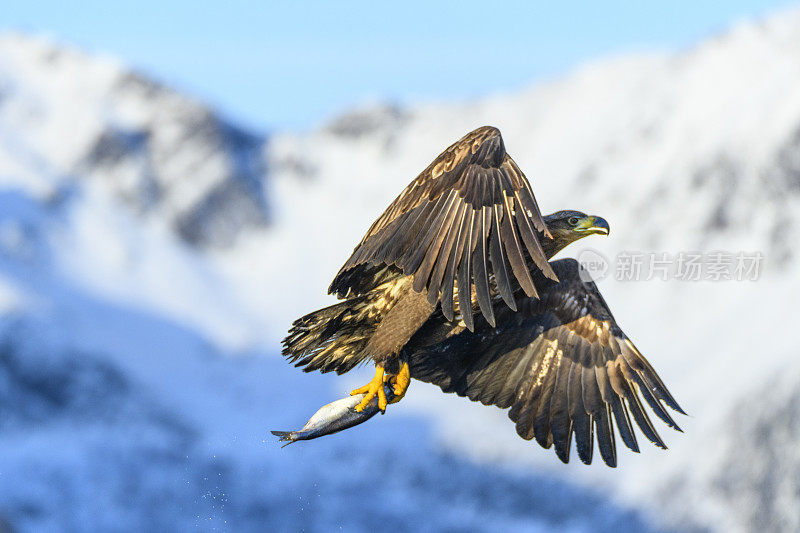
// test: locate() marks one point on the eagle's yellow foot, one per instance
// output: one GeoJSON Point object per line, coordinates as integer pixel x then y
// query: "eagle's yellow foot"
{"type": "Point", "coordinates": [372, 389]}
{"type": "Point", "coordinates": [400, 383]}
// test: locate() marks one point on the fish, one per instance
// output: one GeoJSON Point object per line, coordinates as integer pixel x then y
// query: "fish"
{"type": "Point", "coordinates": [334, 417]}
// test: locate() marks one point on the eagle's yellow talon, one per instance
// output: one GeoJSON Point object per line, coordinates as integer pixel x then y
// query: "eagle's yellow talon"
{"type": "Point", "coordinates": [401, 382]}
{"type": "Point", "coordinates": [360, 390]}
{"type": "Point", "coordinates": [372, 389]}
{"type": "Point", "coordinates": [382, 398]}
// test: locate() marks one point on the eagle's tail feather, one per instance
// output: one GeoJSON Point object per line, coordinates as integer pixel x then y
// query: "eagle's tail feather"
{"type": "Point", "coordinates": [331, 338]}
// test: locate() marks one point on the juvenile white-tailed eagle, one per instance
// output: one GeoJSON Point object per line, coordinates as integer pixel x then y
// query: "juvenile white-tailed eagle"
{"type": "Point", "coordinates": [453, 285]}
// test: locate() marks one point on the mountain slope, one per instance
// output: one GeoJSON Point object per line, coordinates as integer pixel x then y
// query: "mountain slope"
{"type": "Point", "coordinates": [160, 153]}
{"type": "Point", "coordinates": [137, 251]}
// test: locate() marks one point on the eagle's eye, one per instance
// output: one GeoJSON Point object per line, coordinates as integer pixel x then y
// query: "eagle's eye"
{"type": "Point", "coordinates": [573, 221]}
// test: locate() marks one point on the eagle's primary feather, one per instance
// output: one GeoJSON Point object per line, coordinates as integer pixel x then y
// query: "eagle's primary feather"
{"type": "Point", "coordinates": [472, 205]}
{"type": "Point", "coordinates": [560, 363]}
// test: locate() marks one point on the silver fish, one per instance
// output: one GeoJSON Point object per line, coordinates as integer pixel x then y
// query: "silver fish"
{"type": "Point", "coordinates": [334, 417]}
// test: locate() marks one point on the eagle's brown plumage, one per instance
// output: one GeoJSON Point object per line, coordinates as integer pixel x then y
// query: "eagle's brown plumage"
{"type": "Point", "coordinates": [470, 207]}
{"type": "Point", "coordinates": [561, 363]}
{"type": "Point", "coordinates": [334, 338]}
{"type": "Point", "coordinates": [544, 344]}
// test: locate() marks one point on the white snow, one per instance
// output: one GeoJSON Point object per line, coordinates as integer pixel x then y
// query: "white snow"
{"type": "Point", "coordinates": [144, 241]}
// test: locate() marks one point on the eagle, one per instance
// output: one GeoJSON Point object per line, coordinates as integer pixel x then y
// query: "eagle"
{"type": "Point", "coordinates": [454, 285]}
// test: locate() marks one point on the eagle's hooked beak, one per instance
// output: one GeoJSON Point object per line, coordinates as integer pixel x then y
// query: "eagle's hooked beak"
{"type": "Point", "coordinates": [592, 224]}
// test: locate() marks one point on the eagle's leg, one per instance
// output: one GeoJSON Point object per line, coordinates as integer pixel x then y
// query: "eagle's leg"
{"type": "Point", "coordinates": [400, 382]}
{"type": "Point", "coordinates": [372, 389]}
{"type": "Point", "coordinates": [397, 327]}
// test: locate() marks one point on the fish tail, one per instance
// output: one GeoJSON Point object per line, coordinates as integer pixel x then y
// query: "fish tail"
{"type": "Point", "coordinates": [332, 338]}
{"type": "Point", "coordinates": [285, 436]}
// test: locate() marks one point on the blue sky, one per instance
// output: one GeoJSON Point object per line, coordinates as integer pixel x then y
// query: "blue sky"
{"type": "Point", "coordinates": [290, 65]}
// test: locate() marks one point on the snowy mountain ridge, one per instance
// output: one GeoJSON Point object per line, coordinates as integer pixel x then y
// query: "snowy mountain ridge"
{"type": "Point", "coordinates": [143, 238]}
{"type": "Point", "coordinates": [158, 152]}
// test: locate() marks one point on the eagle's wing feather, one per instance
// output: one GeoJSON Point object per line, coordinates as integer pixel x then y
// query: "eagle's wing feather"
{"type": "Point", "coordinates": [562, 365]}
{"type": "Point", "coordinates": [470, 208]}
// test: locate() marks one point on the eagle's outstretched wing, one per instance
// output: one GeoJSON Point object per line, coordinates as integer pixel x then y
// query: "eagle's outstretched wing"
{"type": "Point", "coordinates": [470, 207]}
{"type": "Point", "coordinates": [560, 363]}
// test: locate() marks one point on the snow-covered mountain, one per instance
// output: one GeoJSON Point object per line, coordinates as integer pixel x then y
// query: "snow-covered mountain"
{"type": "Point", "coordinates": [144, 240]}
{"type": "Point", "coordinates": [156, 151]}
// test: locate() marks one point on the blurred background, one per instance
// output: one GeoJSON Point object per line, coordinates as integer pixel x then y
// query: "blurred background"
{"type": "Point", "coordinates": [178, 182]}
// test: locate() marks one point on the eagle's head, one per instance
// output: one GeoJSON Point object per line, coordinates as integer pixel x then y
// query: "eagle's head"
{"type": "Point", "coordinates": [568, 226]}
